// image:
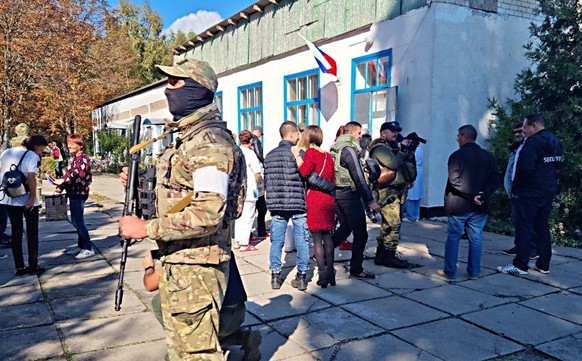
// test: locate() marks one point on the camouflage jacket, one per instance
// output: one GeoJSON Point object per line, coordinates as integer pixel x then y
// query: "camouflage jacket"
{"type": "Point", "coordinates": [199, 233]}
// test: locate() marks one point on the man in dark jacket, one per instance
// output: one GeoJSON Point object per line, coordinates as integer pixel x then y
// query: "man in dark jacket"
{"type": "Point", "coordinates": [285, 198]}
{"type": "Point", "coordinates": [535, 184]}
{"type": "Point", "coordinates": [473, 177]}
{"type": "Point", "coordinates": [351, 190]}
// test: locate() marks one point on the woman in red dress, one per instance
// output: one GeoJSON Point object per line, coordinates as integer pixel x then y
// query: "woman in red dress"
{"type": "Point", "coordinates": [320, 205]}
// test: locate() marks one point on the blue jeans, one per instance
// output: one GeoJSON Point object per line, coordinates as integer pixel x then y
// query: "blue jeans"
{"type": "Point", "coordinates": [77, 207]}
{"type": "Point", "coordinates": [301, 234]}
{"type": "Point", "coordinates": [413, 209]}
{"type": "Point", "coordinates": [474, 222]}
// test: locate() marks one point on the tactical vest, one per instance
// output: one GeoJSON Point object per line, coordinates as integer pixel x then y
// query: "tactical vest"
{"type": "Point", "coordinates": [385, 155]}
{"type": "Point", "coordinates": [172, 190]}
{"type": "Point", "coordinates": [175, 184]}
{"type": "Point", "coordinates": [342, 175]}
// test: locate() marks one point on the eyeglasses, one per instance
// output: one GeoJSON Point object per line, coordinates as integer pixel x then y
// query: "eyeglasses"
{"type": "Point", "coordinates": [518, 131]}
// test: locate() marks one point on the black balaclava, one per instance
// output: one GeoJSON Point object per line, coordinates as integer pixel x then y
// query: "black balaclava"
{"type": "Point", "coordinates": [187, 99]}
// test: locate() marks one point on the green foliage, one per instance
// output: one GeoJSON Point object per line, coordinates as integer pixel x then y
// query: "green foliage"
{"type": "Point", "coordinates": [47, 165]}
{"type": "Point", "coordinates": [111, 141]}
{"type": "Point", "coordinates": [552, 87]}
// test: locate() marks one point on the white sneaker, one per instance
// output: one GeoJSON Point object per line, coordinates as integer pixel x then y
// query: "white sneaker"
{"type": "Point", "coordinates": [533, 265]}
{"type": "Point", "coordinates": [73, 251]}
{"type": "Point", "coordinates": [86, 253]}
{"type": "Point", "coordinates": [511, 270]}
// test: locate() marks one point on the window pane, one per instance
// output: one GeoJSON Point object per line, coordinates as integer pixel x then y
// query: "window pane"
{"type": "Point", "coordinates": [313, 86]}
{"type": "Point", "coordinates": [371, 75]}
{"type": "Point", "coordinates": [302, 114]}
{"type": "Point", "coordinates": [302, 88]}
{"type": "Point", "coordinates": [218, 102]}
{"type": "Point", "coordinates": [251, 121]}
{"type": "Point", "coordinates": [291, 114]}
{"type": "Point", "coordinates": [383, 70]}
{"type": "Point", "coordinates": [362, 107]}
{"type": "Point", "coordinates": [291, 89]}
{"type": "Point", "coordinates": [243, 120]}
{"type": "Point", "coordinates": [251, 95]}
{"type": "Point", "coordinates": [243, 99]}
{"type": "Point", "coordinates": [360, 75]}
{"type": "Point", "coordinates": [258, 96]}
{"type": "Point", "coordinates": [313, 113]}
{"type": "Point", "coordinates": [258, 118]}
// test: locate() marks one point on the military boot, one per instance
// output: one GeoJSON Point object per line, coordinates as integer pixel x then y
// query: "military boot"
{"type": "Point", "coordinates": [276, 280]}
{"type": "Point", "coordinates": [251, 340]}
{"type": "Point", "coordinates": [393, 261]}
{"type": "Point", "coordinates": [380, 254]}
{"type": "Point", "coordinates": [299, 281]}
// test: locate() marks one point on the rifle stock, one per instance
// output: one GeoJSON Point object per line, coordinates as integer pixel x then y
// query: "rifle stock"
{"type": "Point", "coordinates": [129, 207]}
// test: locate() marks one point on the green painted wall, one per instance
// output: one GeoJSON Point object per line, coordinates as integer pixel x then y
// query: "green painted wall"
{"type": "Point", "coordinates": [275, 31]}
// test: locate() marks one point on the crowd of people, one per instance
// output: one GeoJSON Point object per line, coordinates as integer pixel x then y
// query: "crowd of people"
{"type": "Point", "coordinates": [212, 183]}
{"type": "Point", "coordinates": [20, 194]}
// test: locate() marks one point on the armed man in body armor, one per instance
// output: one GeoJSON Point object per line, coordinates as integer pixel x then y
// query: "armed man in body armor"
{"type": "Point", "coordinates": [399, 165]}
{"type": "Point", "coordinates": [200, 189]}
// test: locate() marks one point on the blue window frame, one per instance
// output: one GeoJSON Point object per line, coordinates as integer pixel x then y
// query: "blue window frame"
{"type": "Point", "coordinates": [250, 106]}
{"type": "Point", "coordinates": [373, 100]}
{"type": "Point", "coordinates": [218, 101]}
{"type": "Point", "coordinates": [301, 92]}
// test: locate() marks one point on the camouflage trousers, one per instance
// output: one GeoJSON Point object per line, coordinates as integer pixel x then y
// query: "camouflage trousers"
{"type": "Point", "coordinates": [390, 200]}
{"type": "Point", "coordinates": [191, 297]}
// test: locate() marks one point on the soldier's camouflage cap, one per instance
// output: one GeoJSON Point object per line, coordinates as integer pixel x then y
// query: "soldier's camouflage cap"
{"type": "Point", "coordinates": [198, 70]}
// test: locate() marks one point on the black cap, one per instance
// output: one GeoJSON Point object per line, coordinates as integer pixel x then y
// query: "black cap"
{"type": "Point", "coordinates": [415, 136]}
{"type": "Point", "coordinates": [392, 126]}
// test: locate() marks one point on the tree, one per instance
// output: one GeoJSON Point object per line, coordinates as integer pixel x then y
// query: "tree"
{"type": "Point", "coordinates": [552, 86]}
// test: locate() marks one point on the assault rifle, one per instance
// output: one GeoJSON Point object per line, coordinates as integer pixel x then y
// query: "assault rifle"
{"type": "Point", "coordinates": [129, 206]}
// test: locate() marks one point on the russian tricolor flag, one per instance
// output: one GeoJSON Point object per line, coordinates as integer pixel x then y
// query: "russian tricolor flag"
{"type": "Point", "coordinates": [325, 62]}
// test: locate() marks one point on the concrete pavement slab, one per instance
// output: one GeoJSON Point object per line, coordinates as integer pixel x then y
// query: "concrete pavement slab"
{"type": "Point", "coordinates": [25, 316]}
{"type": "Point", "coordinates": [379, 348]}
{"type": "Point", "coordinates": [77, 286]}
{"type": "Point", "coordinates": [348, 291]}
{"type": "Point", "coordinates": [453, 339]}
{"type": "Point", "coordinates": [566, 349]}
{"type": "Point", "coordinates": [95, 306]}
{"type": "Point", "coordinates": [277, 347]}
{"type": "Point", "coordinates": [558, 277]}
{"type": "Point", "coordinates": [577, 290]}
{"type": "Point", "coordinates": [510, 287]}
{"type": "Point", "coordinates": [404, 281]}
{"type": "Point", "coordinates": [147, 351]}
{"type": "Point", "coordinates": [251, 320]}
{"type": "Point", "coordinates": [277, 305]}
{"type": "Point", "coordinates": [20, 295]}
{"type": "Point", "coordinates": [89, 267]}
{"type": "Point", "coordinates": [111, 332]}
{"type": "Point", "coordinates": [37, 343]}
{"type": "Point", "coordinates": [8, 279]}
{"type": "Point", "coordinates": [394, 312]}
{"type": "Point", "coordinates": [523, 324]}
{"type": "Point", "coordinates": [324, 328]}
{"type": "Point", "coordinates": [466, 299]}
{"type": "Point", "coordinates": [564, 305]}
{"type": "Point", "coordinates": [568, 251]}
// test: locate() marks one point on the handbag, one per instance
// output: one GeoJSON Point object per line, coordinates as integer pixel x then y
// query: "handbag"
{"type": "Point", "coordinates": [315, 181]}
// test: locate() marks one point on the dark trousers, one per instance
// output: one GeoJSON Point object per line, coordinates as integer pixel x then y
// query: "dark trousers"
{"type": "Point", "coordinates": [3, 220]}
{"type": "Point", "coordinates": [262, 210]}
{"type": "Point", "coordinates": [351, 218]}
{"type": "Point", "coordinates": [16, 214]}
{"type": "Point", "coordinates": [532, 226]}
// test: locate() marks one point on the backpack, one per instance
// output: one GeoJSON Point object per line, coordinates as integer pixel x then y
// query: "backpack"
{"type": "Point", "coordinates": [14, 182]}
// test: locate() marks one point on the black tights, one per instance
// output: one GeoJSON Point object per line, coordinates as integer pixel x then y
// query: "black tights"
{"type": "Point", "coordinates": [323, 248]}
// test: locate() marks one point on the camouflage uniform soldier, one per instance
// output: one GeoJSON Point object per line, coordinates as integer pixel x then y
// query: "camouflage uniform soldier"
{"type": "Point", "coordinates": [391, 196]}
{"type": "Point", "coordinates": [200, 189]}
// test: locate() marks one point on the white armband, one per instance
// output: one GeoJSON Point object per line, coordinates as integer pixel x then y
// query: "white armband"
{"type": "Point", "coordinates": [210, 179]}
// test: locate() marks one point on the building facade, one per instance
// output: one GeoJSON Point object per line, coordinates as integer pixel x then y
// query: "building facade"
{"type": "Point", "coordinates": [431, 65]}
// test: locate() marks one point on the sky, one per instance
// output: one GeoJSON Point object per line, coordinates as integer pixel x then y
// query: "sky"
{"type": "Point", "coordinates": [192, 15]}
